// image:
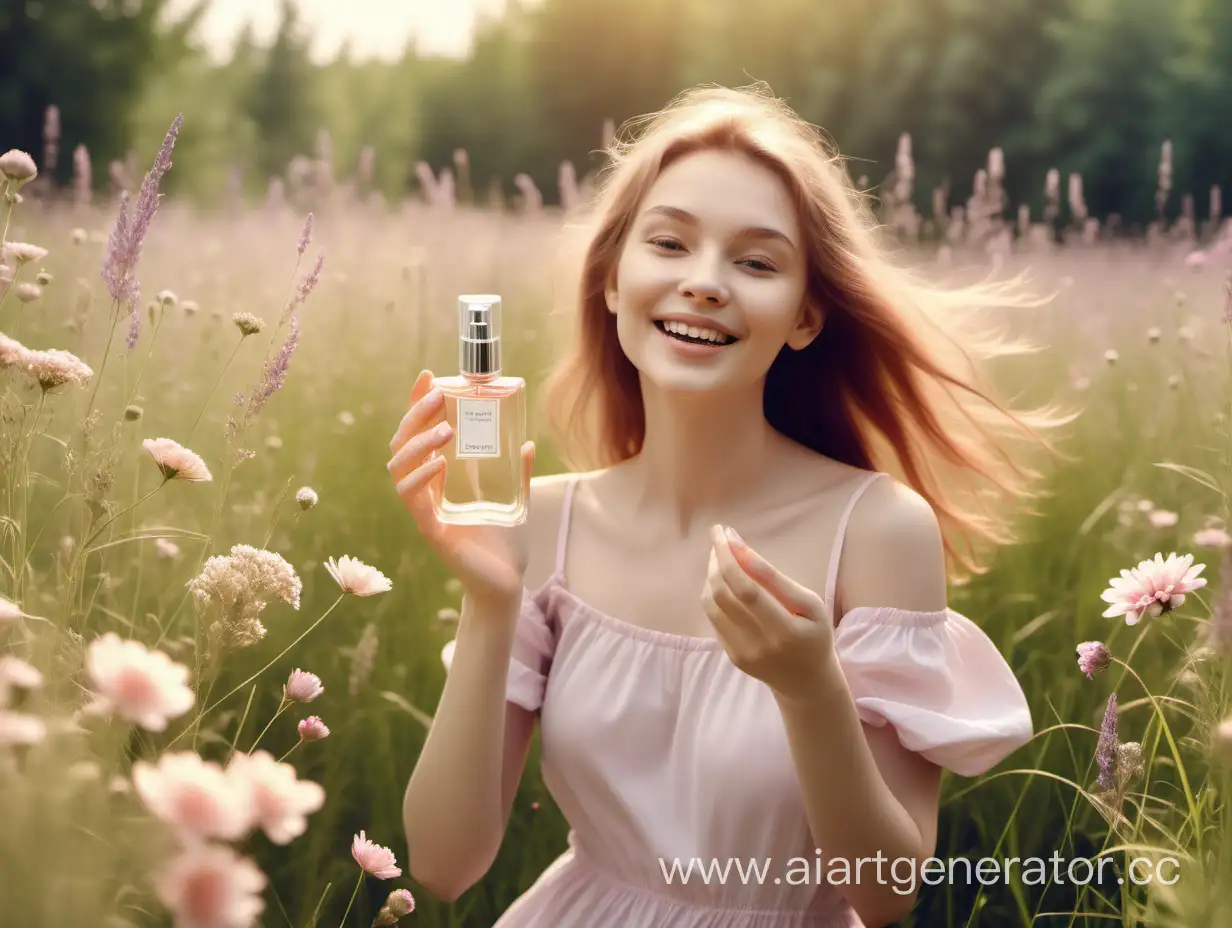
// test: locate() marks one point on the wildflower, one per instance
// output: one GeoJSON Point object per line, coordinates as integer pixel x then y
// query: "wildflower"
{"type": "Point", "coordinates": [175, 461]}
{"type": "Point", "coordinates": [53, 368]}
{"type": "Point", "coordinates": [305, 238]}
{"type": "Point", "coordinates": [17, 674]}
{"type": "Point", "coordinates": [167, 298]}
{"type": "Point", "coordinates": [1093, 656]}
{"type": "Point", "coordinates": [398, 904]}
{"type": "Point", "coordinates": [373, 859]}
{"type": "Point", "coordinates": [306, 497]}
{"type": "Point", "coordinates": [12, 352]}
{"type": "Point", "coordinates": [276, 370]}
{"type": "Point", "coordinates": [247, 323]}
{"type": "Point", "coordinates": [195, 797]}
{"type": "Point", "coordinates": [1111, 356]}
{"type": "Point", "coordinates": [190, 307]}
{"type": "Point", "coordinates": [1162, 518]}
{"type": "Point", "coordinates": [133, 413]}
{"type": "Point", "coordinates": [1129, 763]}
{"type": "Point", "coordinates": [1106, 752]}
{"type": "Point", "coordinates": [9, 612]}
{"type": "Point", "coordinates": [312, 729]}
{"type": "Point", "coordinates": [303, 686]}
{"type": "Point", "coordinates": [18, 167]}
{"type": "Point", "coordinates": [273, 442]}
{"type": "Point", "coordinates": [1212, 537]}
{"type": "Point", "coordinates": [1153, 334]}
{"type": "Point", "coordinates": [240, 583]}
{"type": "Point", "coordinates": [43, 278]}
{"type": "Point", "coordinates": [310, 281]}
{"type": "Point", "coordinates": [211, 886]}
{"type": "Point", "coordinates": [166, 548]}
{"type": "Point", "coordinates": [128, 234]}
{"type": "Point", "coordinates": [28, 292]}
{"type": "Point", "coordinates": [1153, 587]}
{"type": "Point", "coordinates": [24, 253]}
{"type": "Point", "coordinates": [145, 687]}
{"type": "Point", "coordinates": [446, 615]}
{"type": "Point", "coordinates": [80, 236]}
{"type": "Point", "coordinates": [356, 577]}
{"type": "Point", "coordinates": [281, 801]}
{"type": "Point", "coordinates": [21, 728]}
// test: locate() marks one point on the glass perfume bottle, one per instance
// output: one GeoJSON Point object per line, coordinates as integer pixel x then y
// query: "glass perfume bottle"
{"type": "Point", "coordinates": [483, 460]}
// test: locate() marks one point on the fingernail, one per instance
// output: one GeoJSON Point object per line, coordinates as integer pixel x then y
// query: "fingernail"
{"type": "Point", "coordinates": [733, 537]}
{"type": "Point", "coordinates": [443, 429]}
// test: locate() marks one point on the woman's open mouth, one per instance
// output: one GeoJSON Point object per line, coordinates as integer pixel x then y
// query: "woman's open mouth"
{"type": "Point", "coordinates": [690, 335]}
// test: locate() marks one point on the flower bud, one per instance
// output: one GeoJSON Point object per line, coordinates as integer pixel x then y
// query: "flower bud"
{"type": "Point", "coordinates": [28, 293]}
{"type": "Point", "coordinates": [80, 236]}
{"type": "Point", "coordinates": [167, 298]}
{"type": "Point", "coordinates": [1093, 656]}
{"type": "Point", "coordinates": [306, 497]}
{"type": "Point", "coordinates": [18, 167]}
{"type": "Point", "coordinates": [312, 729]}
{"type": "Point", "coordinates": [133, 413]}
{"type": "Point", "coordinates": [247, 323]}
{"type": "Point", "coordinates": [44, 278]}
{"type": "Point", "coordinates": [303, 686]}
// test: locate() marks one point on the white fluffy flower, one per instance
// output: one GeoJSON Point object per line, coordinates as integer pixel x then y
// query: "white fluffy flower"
{"type": "Point", "coordinates": [24, 253]}
{"type": "Point", "coordinates": [175, 461]}
{"type": "Point", "coordinates": [241, 582]}
{"type": "Point", "coordinates": [21, 728]}
{"type": "Point", "coordinates": [280, 801]}
{"type": "Point", "coordinates": [306, 497]}
{"type": "Point", "coordinates": [211, 886]}
{"type": "Point", "coordinates": [143, 686]}
{"type": "Point", "coordinates": [1153, 587]}
{"type": "Point", "coordinates": [17, 674]}
{"type": "Point", "coordinates": [53, 368]}
{"type": "Point", "coordinates": [195, 797]}
{"type": "Point", "coordinates": [357, 577]}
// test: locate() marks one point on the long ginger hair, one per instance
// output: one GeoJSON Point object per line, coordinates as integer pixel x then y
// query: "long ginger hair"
{"type": "Point", "coordinates": [892, 382]}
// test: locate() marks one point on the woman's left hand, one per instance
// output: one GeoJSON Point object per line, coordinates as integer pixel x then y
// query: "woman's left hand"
{"type": "Point", "coordinates": [772, 628]}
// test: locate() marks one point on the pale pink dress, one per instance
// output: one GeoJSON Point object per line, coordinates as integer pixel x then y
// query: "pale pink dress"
{"type": "Point", "coordinates": [654, 745]}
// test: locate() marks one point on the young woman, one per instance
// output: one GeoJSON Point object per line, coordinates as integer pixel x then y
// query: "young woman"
{"type": "Point", "coordinates": [746, 358]}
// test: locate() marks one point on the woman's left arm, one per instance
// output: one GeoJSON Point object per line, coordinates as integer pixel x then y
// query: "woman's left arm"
{"type": "Point", "coordinates": [871, 804]}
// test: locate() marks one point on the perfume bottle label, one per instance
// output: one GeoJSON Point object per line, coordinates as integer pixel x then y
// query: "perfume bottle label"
{"type": "Point", "coordinates": [478, 428]}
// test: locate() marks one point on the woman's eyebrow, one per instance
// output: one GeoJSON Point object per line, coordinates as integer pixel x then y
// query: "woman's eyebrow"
{"type": "Point", "coordinates": [683, 215]}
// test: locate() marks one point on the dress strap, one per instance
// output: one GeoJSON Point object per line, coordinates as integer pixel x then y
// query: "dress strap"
{"type": "Point", "coordinates": [562, 535]}
{"type": "Point", "coordinates": [832, 580]}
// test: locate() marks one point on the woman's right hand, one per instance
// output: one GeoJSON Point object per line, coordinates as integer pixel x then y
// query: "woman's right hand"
{"type": "Point", "coordinates": [488, 560]}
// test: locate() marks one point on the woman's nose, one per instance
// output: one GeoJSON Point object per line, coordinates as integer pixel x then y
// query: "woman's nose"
{"type": "Point", "coordinates": [710, 292]}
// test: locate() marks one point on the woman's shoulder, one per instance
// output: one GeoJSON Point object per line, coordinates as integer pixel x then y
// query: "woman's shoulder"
{"type": "Point", "coordinates": [543, 522]}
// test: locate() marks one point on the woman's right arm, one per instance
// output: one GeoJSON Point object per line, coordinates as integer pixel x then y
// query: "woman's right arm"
{"type": "Point", "coordinates": [458, 800]}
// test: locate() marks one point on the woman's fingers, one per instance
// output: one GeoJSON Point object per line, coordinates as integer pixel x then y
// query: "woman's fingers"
{"type": "Point", "coordinates": [415, 495]}
{"type": "Point", "coordinates": [528, 468]}
{"type": "Point", "coordinates": [411, 455]}
{"type": "Point", "coordinates": [426, 408]}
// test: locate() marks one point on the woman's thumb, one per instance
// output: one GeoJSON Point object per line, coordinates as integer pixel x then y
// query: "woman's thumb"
{"type": "Point", "coordinates": [528, 468]}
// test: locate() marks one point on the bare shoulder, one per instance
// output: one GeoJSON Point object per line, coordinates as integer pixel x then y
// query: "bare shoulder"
{"type": "Point", "coordinates": [547, 498]}
{"type": "Point", "coordinates": [893, 552]}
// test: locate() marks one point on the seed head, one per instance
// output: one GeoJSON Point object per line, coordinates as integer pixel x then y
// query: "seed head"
{"type": "Point", "coordinates": [18, 167]}
{"type": "Point", "coordinates": [306, 497]}
{"type": "Point", "coordinates": [247, 323]}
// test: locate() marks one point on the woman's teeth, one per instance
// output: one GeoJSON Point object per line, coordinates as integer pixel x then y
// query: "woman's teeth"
{"type": "Point", "coordinates": [693, 333]}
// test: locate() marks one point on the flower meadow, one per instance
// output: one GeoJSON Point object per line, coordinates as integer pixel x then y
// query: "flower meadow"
{"type": "Point", "coordinates": [220, 639]}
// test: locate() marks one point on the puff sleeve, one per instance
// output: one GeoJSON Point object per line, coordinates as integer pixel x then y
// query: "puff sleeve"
{"type": "Point", "coordinates": [533, 647]}
{"type": "Point", "coordinates": [939, 680]}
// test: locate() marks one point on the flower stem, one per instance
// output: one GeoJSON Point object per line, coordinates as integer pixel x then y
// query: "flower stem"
{"type": "Point", "coordinates": [98, 378]}
{"type": "Point", "coordinates": [206, 405]}
{"type": "Point", "coordinates": [162, 314]}
{"type": "Point", "coordinates": [283, 706]}
{"type": "Point", "coordinates": [354, 893]}
{"type": "Point", "coordinates": [98, 530]}
{"type": "Point", "coordinates": [290, 749]}
{"type": "Point", "coordinates": [275, 660]}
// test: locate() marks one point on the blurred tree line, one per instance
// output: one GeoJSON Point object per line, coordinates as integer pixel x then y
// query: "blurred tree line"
{"type": "Point", "coordinates": [1093, 87]}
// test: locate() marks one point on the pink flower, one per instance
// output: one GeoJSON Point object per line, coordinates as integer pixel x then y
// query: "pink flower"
{"type": "Point", "coordinates": [281, 802]}
{"type": "Point", "coordinates": [1212, 537]}
{"type": "Point", "coordinates": [211, 886]}
{"type": "Point", "coordinates": [373, 859]}
{"type": "Point", "coordinates": [196, 797]}
{"type": "Point", "coordinates": [16, 673]}
{"type": "Point", "coordinates": [9, 612]}
{"type": "Point", "coordinates": [175, 461]}
{"type": "Point", "coordinates": [21, 728]}
{"type": "Point", "coordinates": [312, 729]}
{"type": "Point", "coordinates": [145, 687]}
{"type": "Point", "coordinates": [303, 686]}
{"type": "Point", "coordinates": [357, 577]}
{"type": "Point", "coordinates": [1093, 656]}
{"type": "Point", "coordinates": [1153, 587]}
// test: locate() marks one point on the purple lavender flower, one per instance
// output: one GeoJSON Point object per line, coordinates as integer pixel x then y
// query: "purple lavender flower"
{"type": "Point", "coordinates": [309, 283]}
{"type": "Point", "coordinates": [127, 236]}
{"type": "Point", "coordinates": [305, 239]}
{"type": "Point", "coordinates": [275, 370]}
{"type": "Point", "coordinates": [1106, 752]}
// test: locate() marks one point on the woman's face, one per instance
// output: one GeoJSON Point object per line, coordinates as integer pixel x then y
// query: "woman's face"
{"type": "Point", "coordinates": [716, 245]}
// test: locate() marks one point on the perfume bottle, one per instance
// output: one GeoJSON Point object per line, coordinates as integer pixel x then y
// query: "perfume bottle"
{"type": "Point", "coordinates": [483, 460]}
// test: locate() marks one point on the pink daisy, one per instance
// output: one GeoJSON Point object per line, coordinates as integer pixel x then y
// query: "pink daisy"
{"type": "Point", "coordinates": [303, 686]}
{"type": "Point", "coordinates": [356, 577]}
{"type": "Point", "coordinates": [1153, 587]}
{"type": "Point", "coordinates": [281, 802]}
{"type": "Point", "coordinates": [145, 687]}
{"type": "Point", "coordinates": [373, 859]}
{"type": "Point", "coordinates": [211, 886]}
{"type": "Point", "coordinates": [195, 797]}
{"type": "Point", "coordinates": [175, 461]}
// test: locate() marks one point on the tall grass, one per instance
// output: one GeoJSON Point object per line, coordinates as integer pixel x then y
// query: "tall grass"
{"type": "Point", "coordinates": [77, 847]}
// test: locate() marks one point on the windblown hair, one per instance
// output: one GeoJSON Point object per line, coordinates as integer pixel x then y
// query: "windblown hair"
{"type": "Point", "coordinates": [890, 384]}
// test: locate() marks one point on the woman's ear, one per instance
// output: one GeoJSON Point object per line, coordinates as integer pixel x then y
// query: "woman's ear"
{"type": "Point", "coordinates": [808, 326]}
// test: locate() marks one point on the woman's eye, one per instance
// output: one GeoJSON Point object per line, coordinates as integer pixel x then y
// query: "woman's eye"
{"type": "Point", "coordinates": [668, 243]}
{"type": "Point", "coordinates": [760, 265]}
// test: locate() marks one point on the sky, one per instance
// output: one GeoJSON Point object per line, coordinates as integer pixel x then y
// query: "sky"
{"type": "Point", "coordinates": [377, 28]}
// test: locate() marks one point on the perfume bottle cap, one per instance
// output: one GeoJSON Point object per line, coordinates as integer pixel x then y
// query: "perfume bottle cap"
{"type": "Point", "coordinates": [479, 333]}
